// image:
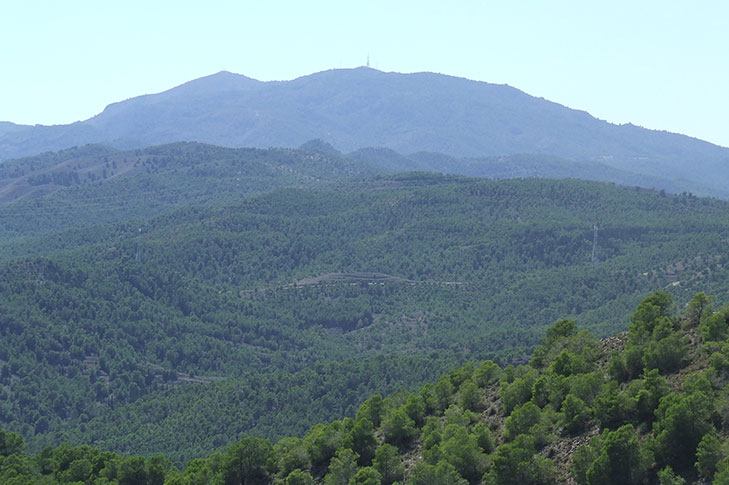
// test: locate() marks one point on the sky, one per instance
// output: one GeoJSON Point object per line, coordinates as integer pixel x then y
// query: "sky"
{"type": "Point", "coordinates": [658, 64]}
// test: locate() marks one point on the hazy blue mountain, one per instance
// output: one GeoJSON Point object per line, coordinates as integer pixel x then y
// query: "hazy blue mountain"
{"type": "Point", "coordinates": [525, 166]}
{"type": "Point", "coordinates": [355, 108]}
{"type": "Point", "coordinates": [7, 127]}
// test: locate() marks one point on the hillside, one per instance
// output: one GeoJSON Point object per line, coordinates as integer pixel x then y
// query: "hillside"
{"type": "Point", "coordinates": [275, 312]}
{"type": "Point", "coordinates": [356, 108]}
{"type": "Point", "coordinates": [648, 406]}
{"type": "Point", "coordinates": [97, 184]}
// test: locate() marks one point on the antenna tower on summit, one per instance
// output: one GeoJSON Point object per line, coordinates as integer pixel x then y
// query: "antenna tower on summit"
{"type": "Point", "coordinates": [368, 60]}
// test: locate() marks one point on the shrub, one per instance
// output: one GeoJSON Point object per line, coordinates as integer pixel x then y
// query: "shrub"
{"type": "Point", "coordinates": [576, 414]}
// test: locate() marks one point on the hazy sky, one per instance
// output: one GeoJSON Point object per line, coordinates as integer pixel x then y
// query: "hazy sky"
{"type": "Point", "coordinates": [658, 64]}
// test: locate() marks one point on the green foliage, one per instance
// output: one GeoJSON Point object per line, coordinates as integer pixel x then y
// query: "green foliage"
{"type": "Point", "coordinates": [461, 449]}
{"type": "Point", "coordinates": [517, 390]}
{"type": "Point", "coordinates": [10, 443]}
{"type": "Point", "coordinates": [516, 463]}
{"type": "Point", "coordinates": [613, 407]}
{"type": "Point", "coordinates": [372, 409]}
{"type": "Point", "coordinates": [280, 311]}
{"type": "Point", "coordinates": [470, 396]}
{"type": "Point", "coordinates": [616, 457]}
{"type": "Point", "coordinates": [299, 477]}
{"type": "Point", "coordinates": [323, 441]}
{"type": "Point", "coordinates": [550, 389]}
{"type": "Point", "coordinates": [681, 422]}
{"type": "Point", "coordinates": [455, 444]}
{"type": "Point", "coordinates": [667, 350]}
{"type": "Point", "coordinates": [484, 438]}
{"type": "Point", "coordinates": [287, 309]}
{"type": "Point", "coordinates": [132, 471]}
{"type": "Point", "coordinates": [521, 419]}
{"type": "Point", "coordinates": [366, 476]}
{"type": "Point", "coordinates": [576, 414]}
{"type": "Point", "coordinates": [415, 408]}
{"type": "Point", "coordinates": [708, 454]}
{"type": "Point", "coordinates": [398, 428]}
{"type": "Point", "coordinates": [722, 475]}
{"type": "Point", "coordinates": [566, 364]}
{"type": "Point", "coordinates": [560, 330]}
{"type": "Point", "coordinates": [587, 386]}
{"type": "Point", "coordinates": [441, 474]}
{"type": "Point", "coordinates": [654, 309]}
{"type": "Point", "coordinates": [653, 341]}
{"type": "Point", "coordinates": [667, 477]}
{"type": "Point", "coordinates": [583, 459]}
{"type": "Point", "coordinates": [202, 470]}
{"type": "Point", "coordinates": [699, 306]}
{"type": "Point", "coordinates": [486, 373]}
{"type": "Point", "coordinates": [647, 393]}
{"type": "Point", "coordinates": [342, 468]}
{"type": "Point", "coordinates": [627, 364]}
{"type": "Point", "coordinates": [247, 461]}
{"type": "Point", "coordinates": [715, 327]}
{"type": "Point", "coordinates": [363, 440]}
{"type": "Point", "coordinates": [292, 455]}
{"type": "Point", "coordinates": [442, 394]}
{"type": "Point", "coordinates": [387, 461]}
{"type": "Point", "coordinates": [719, 361]}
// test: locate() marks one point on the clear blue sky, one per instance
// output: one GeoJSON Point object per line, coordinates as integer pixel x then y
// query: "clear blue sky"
{"type": "Point", "coordinates": [658, 64]}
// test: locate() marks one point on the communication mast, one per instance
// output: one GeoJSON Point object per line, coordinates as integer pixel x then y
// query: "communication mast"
{"type": "Point", "coordinates": [594, 243]}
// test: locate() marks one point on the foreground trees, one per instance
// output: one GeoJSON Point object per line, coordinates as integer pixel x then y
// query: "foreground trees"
{"type": "Point", "coordinates": [481, 425]}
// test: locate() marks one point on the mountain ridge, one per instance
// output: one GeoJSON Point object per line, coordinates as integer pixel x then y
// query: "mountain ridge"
{"type": "Point", "coordinates": [360, 107]}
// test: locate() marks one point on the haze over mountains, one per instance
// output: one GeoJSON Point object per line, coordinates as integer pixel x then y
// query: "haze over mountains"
{"type": "Point", "coordinates": [408, 113]}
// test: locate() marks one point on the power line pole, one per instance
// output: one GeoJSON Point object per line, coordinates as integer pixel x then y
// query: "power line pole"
{"type": "Point", "coordinates": [139, 243]}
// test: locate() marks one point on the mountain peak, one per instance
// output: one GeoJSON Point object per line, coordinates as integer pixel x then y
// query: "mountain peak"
{"type": "Point", "coordinates": [219, 82]}
{"type": "Point", "coordinates": [319, 145]}
{"type": "Point", "coordinates": [359, 107]}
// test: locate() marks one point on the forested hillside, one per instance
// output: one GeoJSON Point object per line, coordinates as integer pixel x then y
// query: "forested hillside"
{"type": "Point", "coordinates": [286, 309]}
{"type": "Point", "coordinates": [648, 406]}
{"type": "Point", "coordinates": [95, 184]}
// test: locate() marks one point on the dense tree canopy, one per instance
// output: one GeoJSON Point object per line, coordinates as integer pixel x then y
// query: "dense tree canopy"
{"type": "Point", "coordinates": [266, 315]}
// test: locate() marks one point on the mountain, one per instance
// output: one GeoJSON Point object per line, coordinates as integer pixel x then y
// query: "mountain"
{"type": "Point", "coordinates": [525, 166]}
{"type": "Point", "coordinates": [644, 407]}
{"type": "Point", "coordinates": [7, 127]}
{"type": "Point", "coordinates": [362, 107]}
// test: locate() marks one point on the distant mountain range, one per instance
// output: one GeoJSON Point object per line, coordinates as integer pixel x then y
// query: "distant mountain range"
{"type": "Point", "coordinates": [408, 113]}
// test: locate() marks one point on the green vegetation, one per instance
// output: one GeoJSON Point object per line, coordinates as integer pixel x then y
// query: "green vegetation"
{"type": "Point", "coordinates": [137, 322]}
{"type": "Point", "coordinates": [275, 313]}
{"type": "Point", "coordinates": [672, 429]}
{"type": "Point", "coordinates": [94, 184]}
